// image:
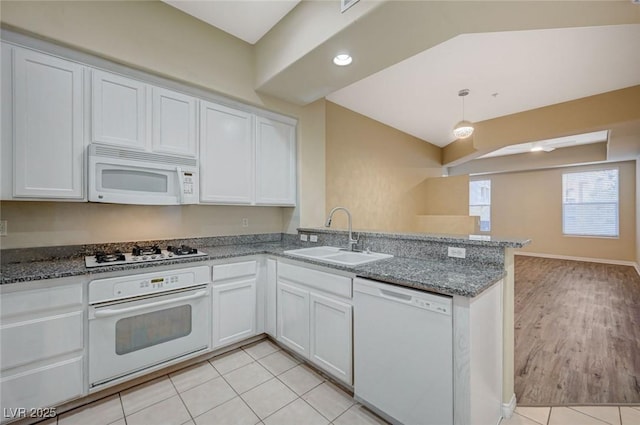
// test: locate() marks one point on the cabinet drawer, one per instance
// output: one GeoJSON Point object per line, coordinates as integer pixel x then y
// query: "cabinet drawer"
{"type": "Point", "coordinates": [42, 387]}
{"type": "Point", "coordinates": [325, 282]}
{"type": "Point", "coordinates": [229, 271]}
{"type": "Point", "coordinates": [46, 299]}
{"type": "Point", "coordinates": [39, 339]}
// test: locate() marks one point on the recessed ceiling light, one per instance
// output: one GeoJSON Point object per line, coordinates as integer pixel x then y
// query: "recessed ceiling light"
{"type": "Point", "coordinates": [342, 59]}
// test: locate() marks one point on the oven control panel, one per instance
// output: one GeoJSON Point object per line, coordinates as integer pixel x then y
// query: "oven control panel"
{"type": "Point", "coordinates": [135, 285]}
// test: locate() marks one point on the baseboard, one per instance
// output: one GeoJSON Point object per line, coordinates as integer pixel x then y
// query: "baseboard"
{"type": "Point", "coordinates": [637, 267]}
{"type": "Point", "coordinates": [509, 408]}
{"type": "Point", "coordinates": [585, 259]}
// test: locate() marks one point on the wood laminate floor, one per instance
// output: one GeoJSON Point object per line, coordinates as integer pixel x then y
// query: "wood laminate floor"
{"type": "Point", "coordinates": [577, 333]}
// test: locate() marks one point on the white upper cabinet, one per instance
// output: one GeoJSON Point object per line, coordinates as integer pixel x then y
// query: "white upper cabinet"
{"type": "Point", "coordinates": [118, 110]}
{"type": "Point", "coordinates": [226, 155]}
{"type": "Point", "coordinates": [174, 123]}
{"type": "Point", "coordinates": [129, 113]}
{"type": "Point", "coordinates": [275, 163]}
{"type": "Point", "coordinates": [246, 159]}
{"type": "Point", "coordinates": [48, 143]}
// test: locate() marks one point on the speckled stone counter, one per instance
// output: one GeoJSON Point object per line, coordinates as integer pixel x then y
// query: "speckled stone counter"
{"type": "Point", "coordinates": [412, 268]}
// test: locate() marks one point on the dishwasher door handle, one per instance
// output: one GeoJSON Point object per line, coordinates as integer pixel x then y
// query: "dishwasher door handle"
{"type": "Point", "coordinates": [395, 295]}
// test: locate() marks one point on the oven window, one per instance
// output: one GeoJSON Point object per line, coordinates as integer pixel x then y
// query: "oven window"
{"type": "Point", "coordinates": [145, 330]}
{"type": "Point", "coordinates": [139, 181]}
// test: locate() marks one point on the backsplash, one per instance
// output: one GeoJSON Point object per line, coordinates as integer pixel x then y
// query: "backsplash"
{"type": "Point", "coordinates": [481, 250]}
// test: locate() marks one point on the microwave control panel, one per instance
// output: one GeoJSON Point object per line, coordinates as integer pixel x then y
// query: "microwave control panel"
{"type": "Point", "coordinates": [187, 183]}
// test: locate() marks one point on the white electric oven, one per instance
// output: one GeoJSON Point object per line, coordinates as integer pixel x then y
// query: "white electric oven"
{"type": "Point", "coordinates": [141, 321]}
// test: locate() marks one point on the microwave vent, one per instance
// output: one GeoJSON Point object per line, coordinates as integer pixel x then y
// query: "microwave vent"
{"type": "Point", "coordinates": [110, 152]}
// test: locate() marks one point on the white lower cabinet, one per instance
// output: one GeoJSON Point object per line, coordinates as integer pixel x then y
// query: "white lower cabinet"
{"type": "Point", "coordinates": [234, 302]}
{"type": "Point", "coordinates": [293, 317]}
{"type": "Point", "coordinates": [330, 339]}
{"type": "Point", "coordinates": [315, 318]}
{"type": "Point", "coordinates": [42, 340]}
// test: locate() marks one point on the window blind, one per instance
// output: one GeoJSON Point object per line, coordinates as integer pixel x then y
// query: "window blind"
{"type": "Point", "coordinates": [590, 203]}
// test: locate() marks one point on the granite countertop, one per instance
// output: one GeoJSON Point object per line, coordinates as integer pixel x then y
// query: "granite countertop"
{"type": "Point", "coordinates": [449, 276]}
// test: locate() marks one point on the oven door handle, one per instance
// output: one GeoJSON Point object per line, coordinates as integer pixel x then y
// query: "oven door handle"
{"type": "Point", "coordinates": [115, 312]}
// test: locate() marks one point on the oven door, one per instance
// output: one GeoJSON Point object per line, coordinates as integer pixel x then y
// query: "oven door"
{"type": "Point", "coordinates": [126, 337]}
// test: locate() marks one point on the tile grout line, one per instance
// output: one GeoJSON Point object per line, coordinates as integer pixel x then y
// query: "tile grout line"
{"type": "Point", "coordinates": [124, 417]}
{"type": "Point", "coordinates": [306, 392]}
{"type": "Point", "coordinates": [152, 404]}
{"type": "Point", "coordinates": [238, 394]}
{"type": "Point", "coordinates": [598, 419]}
{"type": "Point", "coordinates": [182, 400]}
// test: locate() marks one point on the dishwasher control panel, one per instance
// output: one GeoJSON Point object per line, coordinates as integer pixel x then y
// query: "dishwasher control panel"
{"type": "Point", "coordinates": [430, 305]}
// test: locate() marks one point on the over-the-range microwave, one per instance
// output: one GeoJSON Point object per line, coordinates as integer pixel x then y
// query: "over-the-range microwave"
{"type": "Point", "coordinates": [125, 176]}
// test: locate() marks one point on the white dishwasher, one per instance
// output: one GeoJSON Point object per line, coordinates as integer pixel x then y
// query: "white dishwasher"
{"type": "Point", "coordinates": [403, 353]}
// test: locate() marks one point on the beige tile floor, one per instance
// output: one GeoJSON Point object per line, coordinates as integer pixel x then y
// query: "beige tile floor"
{"type": "Point", "coordinates": [257, 384]}
{"type": "Point", "coordinates": [261, 384]}
{"type": "Point", "coordinates": [574, 415]}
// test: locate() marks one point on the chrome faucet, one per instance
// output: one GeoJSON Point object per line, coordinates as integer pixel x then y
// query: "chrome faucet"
{"type": "Point", "coordinates": [352, 242]}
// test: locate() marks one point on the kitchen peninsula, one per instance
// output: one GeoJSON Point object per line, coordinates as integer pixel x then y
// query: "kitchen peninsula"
{"type": "Point", "coordinates": [258, 267]}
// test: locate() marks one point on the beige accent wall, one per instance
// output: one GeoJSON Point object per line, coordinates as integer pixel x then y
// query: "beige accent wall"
{"type": "Point", "coordinates": [312, 171]}
{"type": "Point", "coordinates": [154, 37]}
{"type": "Point", "coordinates": [67, 223]}
{"type": "Point", "coordinates": [438, 192]}
{"type": "Point", "coordinates": [449, 224]}
{"type": "Point", "coordinates": [376, 171]}
{"type": "Point", "coordinates": [529, 205]}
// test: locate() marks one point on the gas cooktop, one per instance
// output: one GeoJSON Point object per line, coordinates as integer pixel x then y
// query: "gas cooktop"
{"type": "Point", "coordinates": [141, 254]}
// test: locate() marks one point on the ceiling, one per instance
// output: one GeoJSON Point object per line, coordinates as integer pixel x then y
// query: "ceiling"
{"type": "Point", "coordinates": [506, 72]}
{"type": "Point", "coordinates": [247, 20]}
{"type": "Point", "coordinates": [513, 56]}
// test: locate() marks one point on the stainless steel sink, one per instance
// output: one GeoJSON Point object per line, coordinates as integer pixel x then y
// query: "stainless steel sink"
{"type": "Point", "coordinates": [335, 255]}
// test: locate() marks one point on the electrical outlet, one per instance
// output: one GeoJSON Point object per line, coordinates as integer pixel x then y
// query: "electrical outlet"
{"type": "Point", "coordinates": [314, 238]}
{"type": "Point", "coordinates": [245, 222]}
{"type": "Point", "coordinates": [457, 252]}
{"type": "Point", "coordinates": [303, 237]}
{"type": "Point", "coordinates": [3, 227]}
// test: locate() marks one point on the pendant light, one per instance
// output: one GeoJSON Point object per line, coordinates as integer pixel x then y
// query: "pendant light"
{"type": "Point", "coordinates": [463, 129]}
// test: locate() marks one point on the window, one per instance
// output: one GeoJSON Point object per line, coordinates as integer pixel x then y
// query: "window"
{"type": "Point", "coordinates": [590, 203]}
{"type": "Point", "coordinates": [480, 202]}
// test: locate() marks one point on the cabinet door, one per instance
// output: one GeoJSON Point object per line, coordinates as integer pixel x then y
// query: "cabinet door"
{"type": "Point", "coordinates": [293, 318]}
{"type": "Point", "coordinates": [48, 138]}
{"type": "Point", "coordinates": [174, 123]}
{"type": "Point", "coordinates": [331, 336]}
{"type": "Point", "coordinates": [275, 163]}
{"type": "Point", "coordinates": [118, 112]}
{"type": "Point", "coordinates": [234, 312]}
{"type": "Point", "coordinates": [226, 155]}
{"type": "Point", "coordinates": [6, 126]}
{"type": "Point", "coordinates": [48, 385]}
